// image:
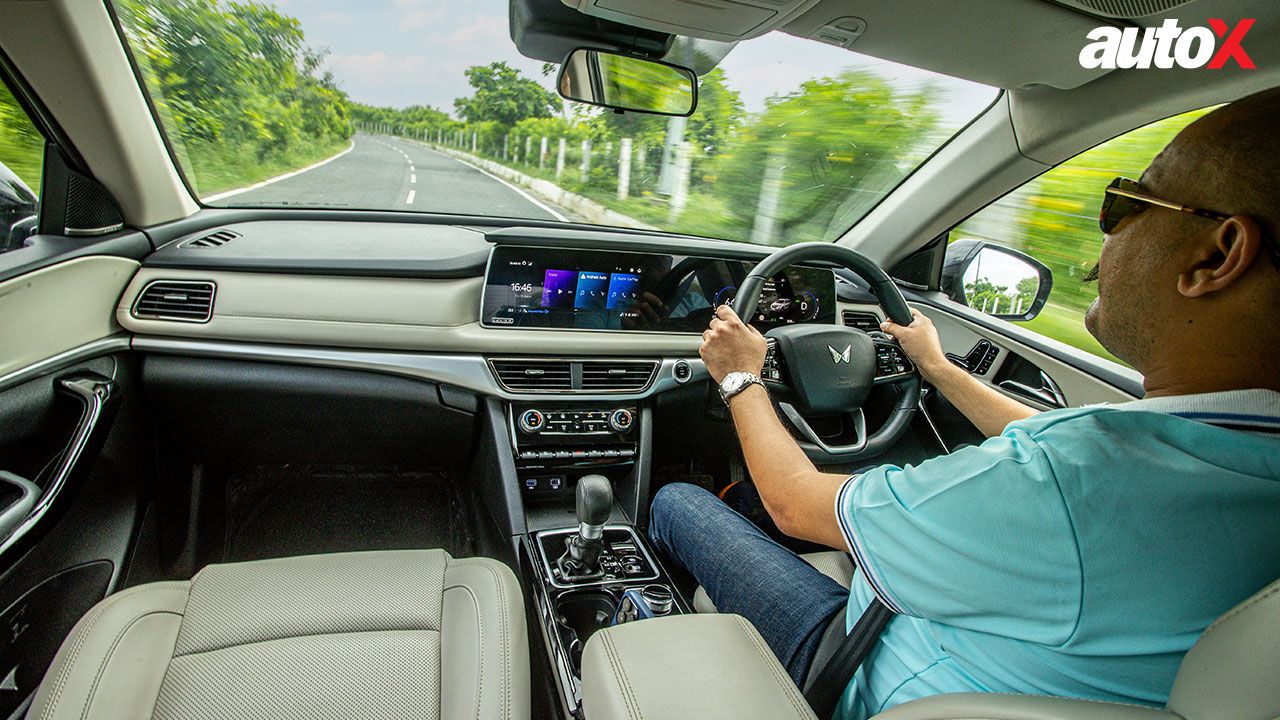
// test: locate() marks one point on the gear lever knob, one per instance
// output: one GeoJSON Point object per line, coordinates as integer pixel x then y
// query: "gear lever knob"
{"type": "Point", "coordinates": [595, 500]}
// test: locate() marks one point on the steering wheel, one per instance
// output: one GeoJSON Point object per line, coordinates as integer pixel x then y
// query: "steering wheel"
{"type": "Point", "coordinates": [827, 371]}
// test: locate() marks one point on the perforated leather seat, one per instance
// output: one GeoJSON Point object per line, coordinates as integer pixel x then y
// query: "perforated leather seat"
{"type": "Point", "coordinates": [402, 634]}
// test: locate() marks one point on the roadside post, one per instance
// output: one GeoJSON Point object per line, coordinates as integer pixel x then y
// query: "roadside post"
{"type": "Point", "coordinates": [560, 159]}
{"type": "Point", "coordinates": [680, 193]}
{"type": "Point", "coordinates": [766, 221]}
{"type": "Point", "coordinates": [542, 154]}
{"type": "Point", "coordinates": [585, 168]}
{"type": "Point", "coordinates": [624, 168]}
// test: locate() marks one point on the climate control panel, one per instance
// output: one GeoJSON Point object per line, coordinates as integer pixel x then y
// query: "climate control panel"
{"type": "Point", "coordinates": [555, 444]}
{"type": "Point", "coordinates": [575, 421]}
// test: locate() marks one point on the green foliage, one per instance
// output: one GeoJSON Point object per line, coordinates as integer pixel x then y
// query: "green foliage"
{"type": "Point", "coordinates": [835, 139]}
{"type": "Point", "coordinates": [21, 145]}
{"type": "Point", "coordinates": [236, 86]}
{"type": "Point", "coordinates": [502, 95]}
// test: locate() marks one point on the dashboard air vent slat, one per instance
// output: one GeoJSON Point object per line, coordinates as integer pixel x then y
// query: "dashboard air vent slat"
{"type": "Point", "coordinates": [180, 300]}
{"type": "Point", "coordinates": [217, 238]}
{"type": "Point", "coordinates": [863, 321]}
{"type": "Point", "coordinates": [617, 375]}
{"type": "Point", "coordinates": [534, 375]}
{"type": "Point", "coordinates": [522, 375]}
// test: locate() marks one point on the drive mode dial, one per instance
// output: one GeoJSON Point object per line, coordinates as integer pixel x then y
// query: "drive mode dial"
{"type": "Point", "coordinates": [620, 420]}
{"type": "Point", "coordinates": [532, 421]}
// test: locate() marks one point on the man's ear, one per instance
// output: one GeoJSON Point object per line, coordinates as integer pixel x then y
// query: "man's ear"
{"type": "Point", "coordinates": [1222, 258]}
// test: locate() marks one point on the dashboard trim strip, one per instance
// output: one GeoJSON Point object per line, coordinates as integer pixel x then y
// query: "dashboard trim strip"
{"type": "Point", "coordinates": [470, 372]}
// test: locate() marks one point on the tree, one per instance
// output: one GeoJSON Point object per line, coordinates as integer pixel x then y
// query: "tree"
{"type": "Point", "coordinates": [837, 139]}
{"type": "Point", "coordinates": [504, 96]}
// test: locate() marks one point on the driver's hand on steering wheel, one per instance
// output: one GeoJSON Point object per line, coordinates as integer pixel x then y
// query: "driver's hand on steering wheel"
{"type": "Point", "coordinates": [920, 342]}
{"type": "Point", "coordinates": [730, 345]}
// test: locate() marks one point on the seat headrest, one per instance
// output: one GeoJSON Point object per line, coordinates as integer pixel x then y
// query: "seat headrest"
{"type": "Point", "coordinates": [1231, 671]}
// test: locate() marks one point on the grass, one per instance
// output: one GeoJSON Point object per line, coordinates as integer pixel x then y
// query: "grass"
{"type": "Point", "coordinates": [214, 168]}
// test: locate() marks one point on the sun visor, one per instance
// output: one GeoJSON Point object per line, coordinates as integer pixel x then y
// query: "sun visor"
{"type": "Point", "coordinates": [719, 20]}
{"type": "Point", "coordinates": [1007, 44]}
{"type": "Point", "coordinates": [548, 30]}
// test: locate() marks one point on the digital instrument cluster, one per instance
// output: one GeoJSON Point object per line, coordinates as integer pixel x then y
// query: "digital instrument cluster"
{"type": "Point", "coordinates": [565, 288]}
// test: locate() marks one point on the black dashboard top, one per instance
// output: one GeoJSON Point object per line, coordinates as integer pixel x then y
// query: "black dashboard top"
{"type": "Point", "coordinates": [400, 249]}
{"type": "Point", "coordinates": [333, 248]}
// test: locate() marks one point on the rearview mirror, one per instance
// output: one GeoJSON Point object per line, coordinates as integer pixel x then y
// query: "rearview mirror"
{"type": "Point", "coordinates": [995, 280]}
{"type": "Point", "coordinates": [623, 82]}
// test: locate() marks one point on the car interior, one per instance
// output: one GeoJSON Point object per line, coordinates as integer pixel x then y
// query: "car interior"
{"type": "Point", "coordinates": [330, 462]}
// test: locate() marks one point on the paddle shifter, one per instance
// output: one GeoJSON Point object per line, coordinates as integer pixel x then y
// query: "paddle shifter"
{"type": "Point", "coordinates": [582, 551]}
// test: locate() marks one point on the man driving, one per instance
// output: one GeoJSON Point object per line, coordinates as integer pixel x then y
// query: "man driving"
{"type": "Point", "coordinates": [1077, 552]}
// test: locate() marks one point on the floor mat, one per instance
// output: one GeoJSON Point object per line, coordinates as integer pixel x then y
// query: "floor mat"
{"type": "Point", "coordinates": [301, 510]}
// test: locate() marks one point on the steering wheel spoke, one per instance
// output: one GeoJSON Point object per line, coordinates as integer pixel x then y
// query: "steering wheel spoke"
{"type": "Point", "coordinates": [815, 441]}
{"type": "Point", "coordinates": [892, 364]}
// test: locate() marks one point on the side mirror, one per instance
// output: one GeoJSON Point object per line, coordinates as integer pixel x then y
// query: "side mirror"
{"type": "Point", "coordinates": [994, 280]}
{"type": "Point", "coordinates": [623, 82]}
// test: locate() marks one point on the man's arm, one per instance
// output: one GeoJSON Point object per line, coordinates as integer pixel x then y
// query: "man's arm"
{"type": "Point", "coordinates": [799, 498]}
{"type": "Point", "coordinates": [986, 408]}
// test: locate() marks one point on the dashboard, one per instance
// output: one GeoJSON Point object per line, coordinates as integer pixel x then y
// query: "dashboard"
{"type": "Point", "coordinates": [580, 289]}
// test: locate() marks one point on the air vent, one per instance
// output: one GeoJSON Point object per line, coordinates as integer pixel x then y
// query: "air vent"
{"type": "Point", "coordinates": [617, 375]}
{"type": "Point", "coordinates": [217, 238]}
{"type": "Point", "coordinates": [180, 300]}
{"type": "Point", "coordinates": [864, 321]}
{"type": "Point", "coordinates": [533, 375]}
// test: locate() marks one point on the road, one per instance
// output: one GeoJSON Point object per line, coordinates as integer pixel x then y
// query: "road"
{"type": "Point", "coordinates": [386, 173]}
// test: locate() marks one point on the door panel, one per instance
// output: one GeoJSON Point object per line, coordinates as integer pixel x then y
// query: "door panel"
{"type": "Point", "coordinates": [59, 308]}
{"type": "Point", "coordinates": [65, 552]}
{"type": "Point", "coordinates": [1011, 366]}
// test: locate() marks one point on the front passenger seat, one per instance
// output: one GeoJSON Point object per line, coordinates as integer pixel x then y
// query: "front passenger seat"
{"type": "Point", "coordinates": [397, 634]}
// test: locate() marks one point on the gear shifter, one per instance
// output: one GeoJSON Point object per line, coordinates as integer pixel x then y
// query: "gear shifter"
{"type": "Point", "coordinates": [582, 551]}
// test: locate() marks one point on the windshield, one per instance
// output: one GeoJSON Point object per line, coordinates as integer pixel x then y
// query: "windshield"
{"type": "Point", "coordinates": [428, 107]}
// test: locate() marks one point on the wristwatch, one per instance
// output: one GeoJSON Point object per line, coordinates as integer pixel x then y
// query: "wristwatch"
{"type": "Point", "coordinates": [736, 382]}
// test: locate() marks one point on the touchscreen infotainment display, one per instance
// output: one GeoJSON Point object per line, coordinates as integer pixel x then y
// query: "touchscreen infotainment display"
{"type": "Point", "coordinates": [603, 290]}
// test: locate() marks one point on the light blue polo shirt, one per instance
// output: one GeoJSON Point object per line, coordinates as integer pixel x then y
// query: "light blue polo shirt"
{"type": "Point", "coordinates": [1081, 553]}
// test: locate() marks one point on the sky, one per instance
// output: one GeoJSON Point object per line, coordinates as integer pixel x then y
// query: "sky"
{"type": "Point", "coordinates": [413, 52]}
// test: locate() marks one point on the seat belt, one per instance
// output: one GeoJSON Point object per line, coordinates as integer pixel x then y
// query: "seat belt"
{"type": "Point", "coordinates": [827, 688]}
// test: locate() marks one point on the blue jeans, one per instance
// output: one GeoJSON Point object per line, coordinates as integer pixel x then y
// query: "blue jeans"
{"type": "Point", "coordinates": [746, 573]}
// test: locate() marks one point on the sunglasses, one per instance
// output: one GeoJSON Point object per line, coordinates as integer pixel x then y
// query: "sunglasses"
{"type": "Point", "coordinates": [1124, 198]}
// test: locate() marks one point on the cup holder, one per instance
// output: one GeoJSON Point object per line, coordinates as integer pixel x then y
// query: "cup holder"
{"type": "Point", "coordinates": [579, 616]}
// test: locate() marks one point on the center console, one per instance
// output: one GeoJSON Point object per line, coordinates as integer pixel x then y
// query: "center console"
{"type": "Point", "coordinates": [589, 577]}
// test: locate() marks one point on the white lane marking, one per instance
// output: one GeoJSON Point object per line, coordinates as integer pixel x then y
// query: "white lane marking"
{"type": "Point", "coordinates": [411, 169]}
{"type": "Point", "coordinates": [413, 178]}
{"type": "Point", "coordinates": [255, 186]}
{"type": "Point", "coordinates": [523, 194]}
{"type": "Point", "coordinates": [409, 200]}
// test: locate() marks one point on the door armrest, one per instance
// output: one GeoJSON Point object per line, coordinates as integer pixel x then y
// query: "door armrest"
{"type": "Point", "coordinates": [700, 665]}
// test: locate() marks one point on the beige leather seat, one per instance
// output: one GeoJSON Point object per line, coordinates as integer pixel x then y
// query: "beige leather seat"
{"type": "Point", "coordinates": [834, 564]}
{"type": "Point", "coordinates": [401, 634]}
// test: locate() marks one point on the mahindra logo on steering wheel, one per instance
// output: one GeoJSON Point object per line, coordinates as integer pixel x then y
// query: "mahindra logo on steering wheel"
{"type": "Point", "coordinates": [840, 357]}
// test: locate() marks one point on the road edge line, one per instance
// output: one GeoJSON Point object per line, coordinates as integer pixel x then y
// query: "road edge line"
{"type": "Point", "coordinates": [229, 193]}
{"type": "Point", "coordinates": [517, 188]}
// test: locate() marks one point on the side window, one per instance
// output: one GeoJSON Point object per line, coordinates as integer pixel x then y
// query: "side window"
{"type": "Point", "coordinates": [1054, 219]}
{"type": "Point", "coordinates": [21, 162]}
